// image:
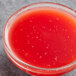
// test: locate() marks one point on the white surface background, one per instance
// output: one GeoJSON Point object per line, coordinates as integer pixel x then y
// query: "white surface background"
{"type": "Point", "coordinates": [7, 8]}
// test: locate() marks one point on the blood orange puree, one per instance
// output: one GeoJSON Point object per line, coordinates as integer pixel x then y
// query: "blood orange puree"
{"type": "Point", "coordinates": [44, 37]}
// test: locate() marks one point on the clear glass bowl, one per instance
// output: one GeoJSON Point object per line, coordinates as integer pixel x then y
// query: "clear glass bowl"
{"type": "Point", "coordinates": [33, 70]}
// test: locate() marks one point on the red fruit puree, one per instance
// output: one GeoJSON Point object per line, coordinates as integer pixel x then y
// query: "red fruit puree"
{"type": "Point", "coordinates": [44, 37]}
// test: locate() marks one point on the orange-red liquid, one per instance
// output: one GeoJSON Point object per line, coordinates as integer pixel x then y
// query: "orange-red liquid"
{"type": "Point", "coordinates": [44, 38]}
